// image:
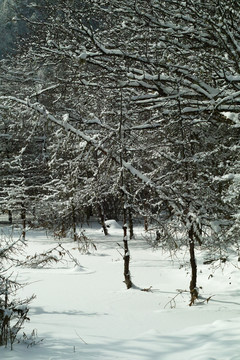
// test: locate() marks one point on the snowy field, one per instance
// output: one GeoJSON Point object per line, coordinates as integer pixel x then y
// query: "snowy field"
{"type": "Point", "coordinates": [85, 312]}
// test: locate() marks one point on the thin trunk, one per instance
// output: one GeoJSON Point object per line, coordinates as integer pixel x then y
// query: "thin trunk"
{"type": "Point", "coordinates": [102, 220]}
{"type": "Point", "coordinates": [4, 318]}
{"type": "Point", "coordinates": [74, 223]}
{"type": "Point", "coordinates": [198, 234]}
{"type": "Point", "coordinates": [145, 223]}
{"type": "Point", "coordinates": [23, 218]}
{"type": "Point", "coordinates": [193, 282]}
{"type": "Point", "coordinates": [130, 223]}
{"type": "Point", "coordinates": [10, 219]}
{"type": "Point", "coordinates": [191, 233]}
{"type": "Point", "coordinates": [1, 327]}
{"type": "Point", "coordinates": [126, 258]}
{"type": "Point", "coordinates": [62, 231]}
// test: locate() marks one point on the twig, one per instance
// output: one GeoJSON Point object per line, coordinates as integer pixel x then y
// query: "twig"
{"type": "Point", "coordinates": [80, 337]}
{"type": "Point", "coordinates": [120, 253]}
{"type": "Point", "coordinates": [206, 300]}
{"type": "Point", "coordinates": [147, 289]}
{"type": "Point", "coordinates": [172, 301]}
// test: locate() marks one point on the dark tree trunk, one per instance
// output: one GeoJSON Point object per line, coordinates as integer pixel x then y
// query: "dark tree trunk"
{"type": "Point", "coordinates": [145, 223]}
{"type": "Point", "coordinates": [102, 220]}
{"type": "Point", "coordinates": [193, 282]}
{"type": "Point", "coordinates": [23, 218]}
{"type": "Point", "coordinates": [63, 231]}
{"type": "Point", "coordinates": [74, 223]}
{"type": "Point", "coordinates": [130, 223]}
{"type": "Point", "coordinates": [198, 234]}
{"type": "Point", "coordinates": [10, 219]}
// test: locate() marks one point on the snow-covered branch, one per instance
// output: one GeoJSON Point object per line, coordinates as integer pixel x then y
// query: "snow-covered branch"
{"type": "Point", "coordinates": [90, 140]}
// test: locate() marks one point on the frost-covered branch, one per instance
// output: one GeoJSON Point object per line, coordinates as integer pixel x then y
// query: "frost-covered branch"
{"type": "Point", "coordinates": [68, 127]}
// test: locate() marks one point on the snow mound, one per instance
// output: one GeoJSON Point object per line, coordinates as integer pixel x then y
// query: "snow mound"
{"type": "Point", "coordinates": [78, 269]}
{"type": "Point", "coordinates": [113, 224]}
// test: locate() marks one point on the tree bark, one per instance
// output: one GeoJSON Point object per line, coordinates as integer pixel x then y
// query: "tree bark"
{"type": "Point", "coordinates": [23, 218]}
{"type": "Point", "coordinates": [130, 222]}
{"type": "Point", "coordinates": [74, 223]}
{"type": "Point", "coordinates": [102, 220]}
{"type": "Point", "coordinates": [10, 219]}
{"type": "Point", "coordinates": [126, 258]}
{"type": "Point", "coordinates": [145, 223]}
{"type": "Point", "coordinates": [193, 282]}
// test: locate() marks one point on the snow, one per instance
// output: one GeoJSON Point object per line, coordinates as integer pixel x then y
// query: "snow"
{"type": "Point", "coordinates": [137, 173]}
{"type": "Point", "coordinates": [86, 312]}
{"type": "Point", "coordinates": [114, 225]}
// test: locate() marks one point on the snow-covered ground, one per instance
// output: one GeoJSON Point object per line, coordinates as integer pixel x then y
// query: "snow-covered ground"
{"type": "Point", "coordinates": [85, 312]}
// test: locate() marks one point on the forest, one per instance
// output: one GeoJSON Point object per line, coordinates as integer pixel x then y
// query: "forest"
{"type": "Point", "coordinates": [124, 110]}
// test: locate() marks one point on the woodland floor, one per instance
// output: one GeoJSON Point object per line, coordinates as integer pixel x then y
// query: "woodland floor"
{"type": "Point", "coordinates": [85, 312]}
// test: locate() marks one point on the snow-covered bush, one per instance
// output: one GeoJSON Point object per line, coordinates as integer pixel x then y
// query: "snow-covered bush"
{"type": "Point", "coordinates": [13, 311]}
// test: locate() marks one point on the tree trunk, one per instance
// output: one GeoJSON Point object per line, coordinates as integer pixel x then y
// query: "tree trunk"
{"type": "Point", "coordinates": [1, 327]}
{"type": "Point", "coordinates": [145, 223]}
{"type": "Point", "coordinates": [62, 231]}
{"type": "Point", "coordinates": [193, 282]}
{"type": "Point", "coordinates": [130, 222]}
{"type": "Point", "coordinates": [10, 219]}
{"type": "Point", "coordinates": [74, 223]}
{"type": "Point", "coordinates": [23, 218]}
{"type": "Point", "coordinates": [126, 258]}
{"type": "Point", "coordinates": [102, 220]}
